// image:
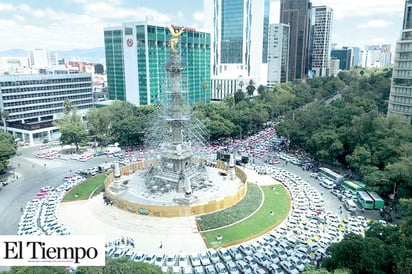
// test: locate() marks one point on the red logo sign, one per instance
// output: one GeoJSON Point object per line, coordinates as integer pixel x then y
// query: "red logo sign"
{"type": "Point", "coordinates": [129, 42]}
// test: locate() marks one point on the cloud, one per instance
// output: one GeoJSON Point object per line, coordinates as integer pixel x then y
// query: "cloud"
{"type": "Point", "coordinates": [7, 23]}
{"type": "Point", "coordinates": [354, 8]}
{"type": "Point", "coordinates": [6, 7]}
{"type": "Point", "coordinates": [374, 24]}
{"type": "Point", "coordinates": [199, 16]}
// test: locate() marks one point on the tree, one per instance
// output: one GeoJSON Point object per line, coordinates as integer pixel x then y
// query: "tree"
{"type": "Point", "coordinates": [370, 253]}
{"type": "Point", "coordinates": [361, 156]}
{"type": "Point", "coordinates": [251, 88]}
{"type": "Point", "coordinates": [72, 129]}
{"type": "Point", "coordinates": [204, 87]}
{"type": "Point", "coordinates": [326, 145]}
{"type": "Point", "coordinates": [100, 125]}
{"type": "Point", "coordinates": [238, 96]}
{"type": "Point", "coordinates": [262, 91]}
{"type": "Point", "coordinates": [37, 270]}
{"type": "Point", "coordinates": [4, 116]}
{"type": "Point", "coordinates": [400, 173]}
{"type": "Point", "coordinates": [7, 149]}
{"type": "Point", "coordinates": [229, 100]}
{"type": "Point", "coordinates": [120, 266]}
{"type": "Point", "coordinates": [67, 106]}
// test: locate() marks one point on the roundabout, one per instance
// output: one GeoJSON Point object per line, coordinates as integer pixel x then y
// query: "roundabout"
{"type": "Point", "coordinates": [177, 234]}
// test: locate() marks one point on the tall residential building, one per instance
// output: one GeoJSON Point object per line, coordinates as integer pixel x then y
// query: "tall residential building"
{"type": "Point", "coordinates": [345, 57]}
{"type": "Point", "coordinates": [239, 38]}
{"type": "Point", "coordinates": [297, 14]}
{"type": "Point", "coordinates": [42, 58]}
{"type": "Point", "coordinates": [322, 30]}
{"type": "Point", "coordinates": [34, 101]}
{"type": "Point", "coordinates": [278, 54]}
{"type": "Point", "coordinates": [400, 98]}
{"type": "Point", "coordinates": [136, 56]}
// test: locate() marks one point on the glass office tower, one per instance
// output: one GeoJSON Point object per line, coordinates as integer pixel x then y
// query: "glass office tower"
{"type": "Point", "coordinates": [136, 55]}
{"type": "Point", "coordinates": [239, 33]}
{"type": "Point", "coordinates": [297, 14]}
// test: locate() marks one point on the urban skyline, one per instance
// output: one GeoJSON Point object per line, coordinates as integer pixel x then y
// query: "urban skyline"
{"type": "Point", "coordinates": [71, 24]}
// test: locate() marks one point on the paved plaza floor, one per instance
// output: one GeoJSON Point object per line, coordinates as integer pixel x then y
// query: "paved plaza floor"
{"type": "Point", "coordinates": [176, 235]}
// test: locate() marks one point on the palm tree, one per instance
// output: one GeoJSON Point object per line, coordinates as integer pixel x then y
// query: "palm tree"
{"type": "Point", "coordinates": [4, 116]}
{"type": "Point", "coordinates": [251, 88]}
{"type": "Point", "coordinates": [67, 106]}
{"type": "Point", "coordinates": [261, 90]}
{"type": "Point", "coordinates": [238, 96]}
{"type": "Point", "coordinates": [204, 87]}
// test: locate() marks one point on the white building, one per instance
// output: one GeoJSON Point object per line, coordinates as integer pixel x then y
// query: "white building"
{"type": "Point", "coordinates": [34, 101]}
{"type": "Point", "coordinates": [278, 54]}
{"type": "Point", "coordinates": [239, 40]}
{"type": "Point", "coordinates": [376, 57]}
{"type": "Point", "coordinates": [321, 36]}
{"type": "Point", "coordinates": [41, 58]}
{"type": "Point", "coordinates": [14, 65]}
{"type": "Point", "coordinates": [334, 67]}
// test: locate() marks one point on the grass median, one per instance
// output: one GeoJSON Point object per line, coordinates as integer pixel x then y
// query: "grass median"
{"type": "Point", "coordinates": [85, 189]}
{"type": "Point", "coordinates": [275, 207]}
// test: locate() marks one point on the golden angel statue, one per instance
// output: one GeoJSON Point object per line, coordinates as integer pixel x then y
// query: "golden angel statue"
{"type": "Point", "coordinates": [175, 37]}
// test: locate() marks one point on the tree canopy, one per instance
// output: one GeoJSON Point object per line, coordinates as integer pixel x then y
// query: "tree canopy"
{"type": "Point", "coordinates": [7, 150]}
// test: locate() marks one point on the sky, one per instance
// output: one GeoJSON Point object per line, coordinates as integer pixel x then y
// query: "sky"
{"type": "Point", "coordinates": [79, 24]}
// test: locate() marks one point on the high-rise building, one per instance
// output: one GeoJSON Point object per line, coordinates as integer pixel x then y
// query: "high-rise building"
{"type": "Point", "coordinates": [344, 55]}
{"type": "Point", "coordinates": [42, 58]}
{"type": "Point", "coordinates": [400, 98]}
{"type": "Point", "coordinates": [278, 54]}
{"type": "Point", "coordinates": [239, 38]}
{"type": "Point", "coordinates": [321, 35]}
{"type": "Point", "coordinates": [297, 14]}
{"type": "Point", "coordinates": [136, 56]}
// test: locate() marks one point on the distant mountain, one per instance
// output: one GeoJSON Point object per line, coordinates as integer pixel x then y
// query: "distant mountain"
{"type": "Point", "coordinates": [94, 55]}
{"type": "Point", "coordinates": [14, 52]}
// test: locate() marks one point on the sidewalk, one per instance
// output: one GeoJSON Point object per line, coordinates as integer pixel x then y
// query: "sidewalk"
{"type": "Point", "coordinates": [177, 235]}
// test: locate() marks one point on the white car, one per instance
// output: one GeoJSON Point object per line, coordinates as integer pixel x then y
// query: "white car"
{"type": "Point", "coordinates": [288, 267]}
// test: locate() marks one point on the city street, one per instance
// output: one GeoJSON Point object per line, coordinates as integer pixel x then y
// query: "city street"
{"type": "Point", "coordinates": [32, 174]}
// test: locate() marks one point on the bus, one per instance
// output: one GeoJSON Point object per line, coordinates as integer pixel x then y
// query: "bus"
{"type": "Point", "coordinates": [378, 202]}
{"type": "Point", "coordinates": [333, 176]}
{"type": "Point", "coordinates": [353, 186]}
{"type": "Point", "coordinates": [365, 200]}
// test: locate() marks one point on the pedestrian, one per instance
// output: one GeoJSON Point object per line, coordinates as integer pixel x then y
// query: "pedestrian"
{"type": "Point", "coordinates": [161, 245]}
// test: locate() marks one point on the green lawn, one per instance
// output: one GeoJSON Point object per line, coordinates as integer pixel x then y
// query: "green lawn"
{"type": "Point", "coordinates": [230, 215]}
{"type": "Point", "coordinates": [274, 209]}
{"type": "Point", "coordinates": [85, 189]}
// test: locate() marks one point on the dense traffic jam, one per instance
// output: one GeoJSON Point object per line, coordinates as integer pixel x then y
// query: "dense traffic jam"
{"type": "Point", "coordinates": [300, 240]}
